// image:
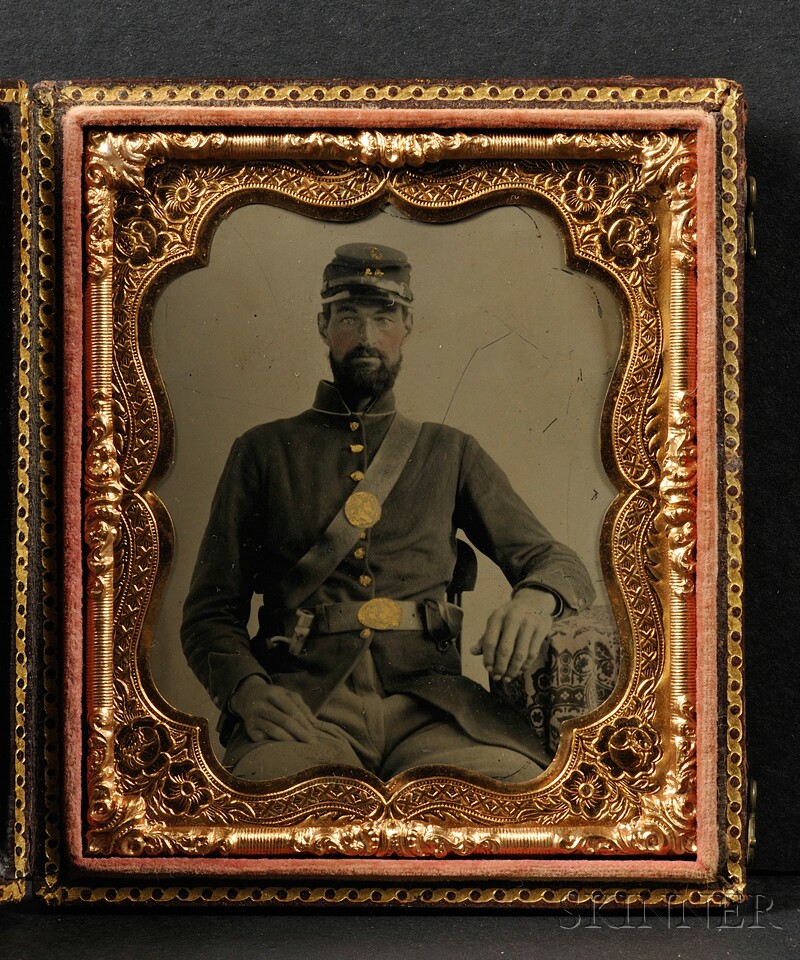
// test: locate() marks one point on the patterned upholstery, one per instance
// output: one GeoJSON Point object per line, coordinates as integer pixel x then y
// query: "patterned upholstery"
{"type": "Point", "coordinates": [574, 673]}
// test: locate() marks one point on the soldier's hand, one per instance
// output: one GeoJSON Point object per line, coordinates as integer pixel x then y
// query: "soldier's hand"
{"type": "Point", "coordinates": [270, 712]}
{"type": "Point", "coordinates": [515, 633]}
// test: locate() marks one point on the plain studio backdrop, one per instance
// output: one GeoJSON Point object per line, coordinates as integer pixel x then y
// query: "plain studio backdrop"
{"type": "Point", "coordinates": [509, 344]}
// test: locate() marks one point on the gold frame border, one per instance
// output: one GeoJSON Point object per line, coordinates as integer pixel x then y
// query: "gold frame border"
{"type": "Point", "coordinates": [14, 888]}
{"type": "Point", "coordinates": [47, 351]}
{"type": "Point", "coordinates": [631, 809]}
{"type": "Point", "coordinates": [737, 785]}
{"type": "Point", "coordinates": [719, 94]}
{"type": "Point", "coordinates": [712, 93]}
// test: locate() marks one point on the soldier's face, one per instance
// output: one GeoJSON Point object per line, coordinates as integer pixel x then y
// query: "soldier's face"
{"type": "Point", "coordinates": [362, 334]}
{"type": "Point", "coordinates": [365, 339]}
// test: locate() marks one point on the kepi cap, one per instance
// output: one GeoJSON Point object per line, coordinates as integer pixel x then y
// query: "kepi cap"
{"type": "Point", "coordinates": [367, 269]}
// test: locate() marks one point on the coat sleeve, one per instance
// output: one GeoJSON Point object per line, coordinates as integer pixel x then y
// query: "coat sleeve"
{"type": "Point", "coordinates": [217, 609]}
{"type": "Point", "coordinates": [501, 526]}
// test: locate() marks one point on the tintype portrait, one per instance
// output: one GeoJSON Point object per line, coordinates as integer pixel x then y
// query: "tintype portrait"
{"type": "Point", "coordinates": [331, 604]}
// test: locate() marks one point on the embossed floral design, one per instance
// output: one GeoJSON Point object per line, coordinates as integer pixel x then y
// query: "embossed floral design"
{"type": "Point", "coordinates": [142, 748]}
{"type": "Point", "coordinates": [460, 803]}
{"type": "Point", "coordinates": [629, 234]}
{"type": "Point", "coordinates": [182, 194]}
{"type": "Point", "coordinates": [586, 791]}
{"type": "Point", "coordinates": [137, 238]}
{"type": "Point", "coordinates": [139, 233]}
{"type": "Point", "coordinates": [585, 193]}
{"type": "Point", "coordinates": [185, 792]}
{"type": "Point", "coordinates": [629, 746]}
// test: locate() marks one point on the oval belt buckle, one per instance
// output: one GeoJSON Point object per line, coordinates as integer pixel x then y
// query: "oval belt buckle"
{"type": "Point", "coordinates": [380, 613]}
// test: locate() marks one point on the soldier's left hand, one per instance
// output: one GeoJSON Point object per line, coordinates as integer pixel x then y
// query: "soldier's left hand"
{"type": "Point", "coordinates": [515, 633]}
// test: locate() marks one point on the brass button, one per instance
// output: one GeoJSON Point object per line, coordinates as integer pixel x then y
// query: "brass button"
{"type": "Point", "coordinates": [366, 633]}
{"type": "Point", "coordinates": [362, 535]}
{"type": "Point", "coordinates": [356, 448]}
{"type": "Point", "coordinates": [354, 424]}
{"type": "Point", "coordinates": [365, 579]}
{"type": "Point", "coordinates": [357, 475]}
{"type": "Point", "coordinates": [360, 553]}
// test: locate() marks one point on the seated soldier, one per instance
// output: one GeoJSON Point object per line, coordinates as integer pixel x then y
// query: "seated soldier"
{"type": "Point", "coordinates": [344, 519]}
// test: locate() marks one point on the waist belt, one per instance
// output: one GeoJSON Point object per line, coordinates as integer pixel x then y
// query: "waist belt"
{"type": "Point", "coordinates": [437, 619]}
{"type": "Point", "coordinates": [380, 613]}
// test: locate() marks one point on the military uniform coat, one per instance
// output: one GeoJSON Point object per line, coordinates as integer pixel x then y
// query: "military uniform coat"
{"type": "Point", "coordinates": [282, 485]}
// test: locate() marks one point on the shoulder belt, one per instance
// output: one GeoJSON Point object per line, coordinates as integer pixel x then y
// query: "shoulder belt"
{"type": "Point", "coordinates": [319, 562]}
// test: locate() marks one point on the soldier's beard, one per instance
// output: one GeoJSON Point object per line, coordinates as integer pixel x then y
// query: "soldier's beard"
{"type": "Point", "coordinates": [357, 381]}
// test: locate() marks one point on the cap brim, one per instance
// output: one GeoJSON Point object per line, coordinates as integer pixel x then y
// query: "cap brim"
{"type": "Point", "coordinates": [360, 287]}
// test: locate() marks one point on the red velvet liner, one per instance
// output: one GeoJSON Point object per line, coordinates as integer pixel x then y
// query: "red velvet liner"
{"type": "Point", "coordinates": [704, 868]}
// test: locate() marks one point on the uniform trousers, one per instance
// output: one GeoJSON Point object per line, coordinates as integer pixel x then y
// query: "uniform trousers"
{"type": "Point", "coordinates": [361, 726]}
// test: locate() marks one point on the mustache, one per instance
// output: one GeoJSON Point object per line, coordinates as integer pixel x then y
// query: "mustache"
{"type": "Point", "coordinates": [363, 352]}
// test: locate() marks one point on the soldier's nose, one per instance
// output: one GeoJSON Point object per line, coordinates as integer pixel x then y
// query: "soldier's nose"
{"type": "Point", "coordinates": [367, 333]}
